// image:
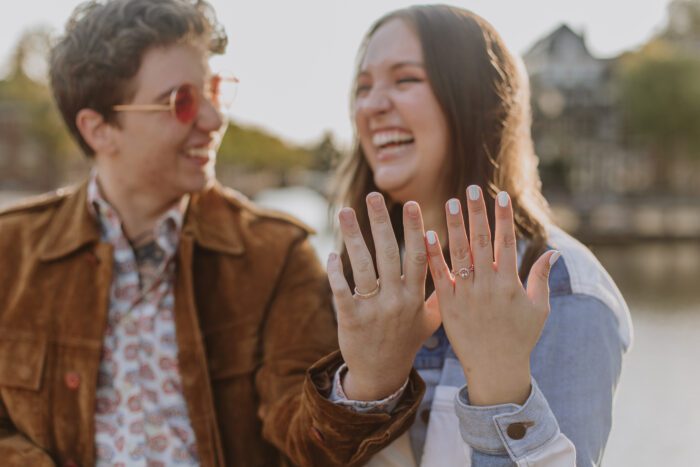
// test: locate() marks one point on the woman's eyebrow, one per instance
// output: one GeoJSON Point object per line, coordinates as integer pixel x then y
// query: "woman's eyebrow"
{"type": "Point", "coordinates": [397, 65]}
{"type": "Point", "coordinates": [406, 63]}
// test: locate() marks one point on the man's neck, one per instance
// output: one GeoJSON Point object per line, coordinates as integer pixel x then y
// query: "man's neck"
{"type": "Point", "coordinates": [138, 209]}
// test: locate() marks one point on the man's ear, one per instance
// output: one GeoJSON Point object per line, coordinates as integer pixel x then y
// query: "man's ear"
{"type": "Point", "coordinates": [95, 131]}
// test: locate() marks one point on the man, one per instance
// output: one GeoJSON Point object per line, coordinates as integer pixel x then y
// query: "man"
{"type": "Point", "coordinates": [150, 316]}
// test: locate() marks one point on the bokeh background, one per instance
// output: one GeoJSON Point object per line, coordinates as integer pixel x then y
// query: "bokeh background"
{"type": "Point", "coordinates": [616, 123]}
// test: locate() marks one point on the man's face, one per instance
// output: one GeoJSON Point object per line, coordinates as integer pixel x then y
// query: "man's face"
{"type": "Point", "coordinates": [155, 152]}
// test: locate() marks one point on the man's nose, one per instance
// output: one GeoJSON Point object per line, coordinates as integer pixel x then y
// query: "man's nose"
{"type": "Point", "coordinates": [210, 117]}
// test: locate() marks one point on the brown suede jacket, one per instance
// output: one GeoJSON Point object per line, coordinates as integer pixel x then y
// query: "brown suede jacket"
{"type": "Point", "coordinates": [252, 317]}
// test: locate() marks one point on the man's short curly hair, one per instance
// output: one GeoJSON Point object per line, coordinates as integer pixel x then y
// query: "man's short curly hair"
{"type": "Point", "coordinates": [93, 64]}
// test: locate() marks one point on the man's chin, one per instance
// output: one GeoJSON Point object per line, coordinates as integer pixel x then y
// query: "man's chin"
{"type": "Point", "coordinates": [205, 181]}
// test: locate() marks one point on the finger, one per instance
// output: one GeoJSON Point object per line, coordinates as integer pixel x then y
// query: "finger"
{"type": "Point", "coordinates": [442, 278]}
{"type": "Point", "coordinates": [387, 249]}
{"type": "Point", "coordinates": [504, 244]}
{"type": "Point", "coordinates": [360, 260]}
{"type": "Point", "coordinates": [415, 263]}
{"type": "Point", "coordinates": [339, 285]}
{"type": "Point", "coordinates": [459, 244]}
{"type": "Point", "coordinates": [538, 279]}
{"type": "Point", "coordinates": [479, 231]}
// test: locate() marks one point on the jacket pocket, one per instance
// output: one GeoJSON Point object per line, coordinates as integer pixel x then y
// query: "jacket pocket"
{"type": "Point", "coordinates": [22, 359]}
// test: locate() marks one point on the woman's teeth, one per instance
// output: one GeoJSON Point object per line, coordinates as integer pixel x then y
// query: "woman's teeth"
{"type": "Point", "coordinates": [388, 138]}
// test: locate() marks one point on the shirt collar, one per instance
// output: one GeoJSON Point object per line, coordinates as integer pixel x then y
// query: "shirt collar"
{"type": "Point", "coordinates": [166, 231]}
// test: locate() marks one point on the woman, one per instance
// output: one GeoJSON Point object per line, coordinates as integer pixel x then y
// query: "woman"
{"type": "Point", "coordinates": [441, 105]}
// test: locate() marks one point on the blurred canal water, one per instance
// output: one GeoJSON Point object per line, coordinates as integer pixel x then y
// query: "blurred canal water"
{"type": "Point", "coordinates": [656, 413]}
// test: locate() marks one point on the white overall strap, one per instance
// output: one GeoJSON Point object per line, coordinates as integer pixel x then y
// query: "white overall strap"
{"type": "Point", "coordinates": [443, 443]}
{"type": "Point", "coordinates": [397, 454]}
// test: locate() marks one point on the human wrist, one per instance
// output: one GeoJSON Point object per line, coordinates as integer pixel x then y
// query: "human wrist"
{"type": "Point", "coordinates": [499, 385]}
{"type": "Point", "coordinates": [360, 388]}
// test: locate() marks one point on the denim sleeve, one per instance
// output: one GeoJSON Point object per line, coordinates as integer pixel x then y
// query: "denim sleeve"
{"type": "Point", "coordinates": [575, 367]}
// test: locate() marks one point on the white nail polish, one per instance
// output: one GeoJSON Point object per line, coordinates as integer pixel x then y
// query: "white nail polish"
{"type": "Point", "coordinates": [503, 199]}
{"type": "Point", "coordinates": [553, 259]}
{"type": "Point", "coordinates": [432, 238]}
{"type": "Point", "coordinates": [453, 206]}
{"type": "Point", "coordinates": [473, 192]}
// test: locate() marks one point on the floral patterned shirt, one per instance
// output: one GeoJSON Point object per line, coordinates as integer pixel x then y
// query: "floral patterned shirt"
{"type": "Point", "coordinates": [141, 415]}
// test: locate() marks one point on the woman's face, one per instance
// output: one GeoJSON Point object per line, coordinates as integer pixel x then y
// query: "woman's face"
{"type": "Point", "coordinates": [401, 127]}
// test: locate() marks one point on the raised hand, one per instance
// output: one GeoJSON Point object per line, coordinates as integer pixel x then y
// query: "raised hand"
{"type": "Point", "coordinates": [491, 321]}
{"type": "Point", "coordinates": [382, 325]}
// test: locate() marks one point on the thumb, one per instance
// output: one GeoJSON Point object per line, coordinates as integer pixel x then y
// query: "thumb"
{"type": "Point", "coordinates": [538, 279]}
{"type": "Point", "coordinates": [432, 314]}
{"type": "Point", "coordinates": [432, 304]}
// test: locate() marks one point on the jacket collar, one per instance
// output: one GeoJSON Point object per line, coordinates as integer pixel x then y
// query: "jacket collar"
{"type": "Point", "coordinates": [213, 219]}
{"type": "Point", "coordinates": [71, 228]}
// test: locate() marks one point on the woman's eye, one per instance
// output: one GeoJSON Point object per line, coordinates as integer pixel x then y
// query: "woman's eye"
{"type": "Point", "coordinates": [362, 89]}
{"type": "Point", "coordinates": [408, 79]}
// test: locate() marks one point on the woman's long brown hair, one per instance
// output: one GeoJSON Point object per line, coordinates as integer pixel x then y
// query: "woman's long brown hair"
{"type": "Point", "coordinates": [484, 96]}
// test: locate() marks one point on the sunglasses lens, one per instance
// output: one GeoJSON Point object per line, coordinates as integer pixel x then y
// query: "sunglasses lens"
{"type": "Point", "coordinates": [185, 103]}
{"type": "Point", "coordinates": [223, 91]}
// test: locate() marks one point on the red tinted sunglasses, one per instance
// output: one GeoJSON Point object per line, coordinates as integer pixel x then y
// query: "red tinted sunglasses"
{"type": "Point", "coordinates": [185, 99]}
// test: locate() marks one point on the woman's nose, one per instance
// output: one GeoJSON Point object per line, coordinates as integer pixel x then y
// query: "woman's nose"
{"type": "Point", "coordinates": [377, 100]}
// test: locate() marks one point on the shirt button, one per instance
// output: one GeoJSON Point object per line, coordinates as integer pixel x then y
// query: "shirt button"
{"type": "Point", "coordinates": [517, 430]}
{"type": "Point", "coordinates": [432, 343]}
{"type": "Point", "coordinates": [72, 380]}
{"type": "Point", "coordinates": [317, 434]}
{"type": "Point", "coordinates": [92, 258]}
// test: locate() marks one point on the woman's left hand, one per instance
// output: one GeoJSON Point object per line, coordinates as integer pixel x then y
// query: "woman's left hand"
{"type": "Point", "coordinates": [491, 320]}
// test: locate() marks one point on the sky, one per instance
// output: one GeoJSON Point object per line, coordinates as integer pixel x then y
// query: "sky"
{"type": "Point", "coordinates": [295, 59]}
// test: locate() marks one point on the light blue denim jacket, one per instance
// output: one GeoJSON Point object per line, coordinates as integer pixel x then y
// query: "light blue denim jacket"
{"type": "Point", "coordinates": [575, 368]}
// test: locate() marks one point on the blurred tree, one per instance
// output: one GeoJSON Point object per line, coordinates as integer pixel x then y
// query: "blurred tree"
{"type": "Point", "coordinates": [254, 148]}
{"type": "Point", "coordinates": [325, 155]}
{"type": "Point", "coordinates": [36, 143]}
{"type": "Point", "coordinates": [660, 101]}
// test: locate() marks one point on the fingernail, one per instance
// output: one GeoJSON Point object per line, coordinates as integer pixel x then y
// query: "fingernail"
{"type": "Point", "coordinates": [473, 192]}
{"type": "Point", "coordinates": [431, 236]}
{"type": "Point", "coordinates": [553, 259]}
{"type": "Point", "coordinates": [412, 208]}
{"type": "Point", "coordinates": [375, 199]}
{"type": "Point", "coordinates": [345, 215]}
{"type": "Point", "coordinates": [453, 206]}
{"type": "Point", "coordinates": [503, 199]}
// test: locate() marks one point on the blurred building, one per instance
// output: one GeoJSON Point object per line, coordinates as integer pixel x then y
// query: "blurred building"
{"type": "Point", "coordinates": [577, 122]}
{"type": "Point", "coordinates": [683, 28]}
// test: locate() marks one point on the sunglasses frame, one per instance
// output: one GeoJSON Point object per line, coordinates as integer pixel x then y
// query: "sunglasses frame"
{"type": "Point", "coordinates": [171, 106]}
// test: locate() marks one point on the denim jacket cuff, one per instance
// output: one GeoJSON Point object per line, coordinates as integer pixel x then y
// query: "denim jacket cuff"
{"type": "Point", "coordinates": [515, 430]}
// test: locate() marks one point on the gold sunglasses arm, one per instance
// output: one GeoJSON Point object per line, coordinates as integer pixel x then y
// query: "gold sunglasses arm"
{"type": "Point", "coordinates": [141, 107]}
